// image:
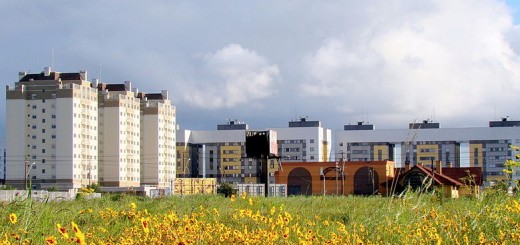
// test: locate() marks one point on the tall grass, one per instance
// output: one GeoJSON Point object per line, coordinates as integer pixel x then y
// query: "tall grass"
{"type": "Point", "coordinates": [123, 219]}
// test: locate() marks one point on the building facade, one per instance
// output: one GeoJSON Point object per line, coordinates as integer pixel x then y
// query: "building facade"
{"type": "Point", "coordinates": [426, 142]}
{"type": "Point", "coordinates": [304, 141]}
{"type": "Point", "coordinates": [158, 150]}
{"type": "Point", "coordinates": [65, 132]}
{"type": "Point", "coordinates": [52, 130]}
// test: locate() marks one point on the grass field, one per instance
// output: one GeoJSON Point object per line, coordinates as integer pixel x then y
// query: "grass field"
{"type": "Point", "coordinates": [212, 219]}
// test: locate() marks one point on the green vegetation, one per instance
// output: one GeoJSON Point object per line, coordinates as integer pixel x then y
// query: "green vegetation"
{"type": "Point", "coordinates": [124, 219]}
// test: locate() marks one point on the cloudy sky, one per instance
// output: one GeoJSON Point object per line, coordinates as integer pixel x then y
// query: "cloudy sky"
{"type": "Point", "coordinates": [266, 63]}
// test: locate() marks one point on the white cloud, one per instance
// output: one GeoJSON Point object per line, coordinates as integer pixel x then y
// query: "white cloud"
{"type": "Point", "coordinates": [453, 58]}
{"type": "Point", "coordinates": [239, 76]}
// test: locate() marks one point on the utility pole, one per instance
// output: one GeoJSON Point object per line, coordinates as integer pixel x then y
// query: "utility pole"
{"type": "Point", "coordinates": [342, 174]}
{"type": "Point", "coordinates": [26, 163]}
{"type": "Point", "coordinates": [337, 187]}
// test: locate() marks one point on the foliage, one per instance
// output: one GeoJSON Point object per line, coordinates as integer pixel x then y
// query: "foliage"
{"type": "Point", "coordinates": [94, 187]}
{"type": "Point", "coordinates": [226, 190]}
{"type": "Point", "coordinates": [414, 218]}
{"type": "Point", "coordinates": [7, 187]}
{"type": "Point", "coordinates": [54, 188]}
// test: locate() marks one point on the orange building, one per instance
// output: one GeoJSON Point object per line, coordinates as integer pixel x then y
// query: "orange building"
{"type": "Point", "coordinates": [318, 178]}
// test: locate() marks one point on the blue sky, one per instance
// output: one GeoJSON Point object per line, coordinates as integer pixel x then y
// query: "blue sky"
{"type": "Point", "coordinates": [268, 62]}
{"type": "Point", "coordinates": [515, 6]}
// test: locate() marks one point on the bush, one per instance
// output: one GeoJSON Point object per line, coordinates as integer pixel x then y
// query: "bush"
{"type": "Point", "coordinates": [226, 190]}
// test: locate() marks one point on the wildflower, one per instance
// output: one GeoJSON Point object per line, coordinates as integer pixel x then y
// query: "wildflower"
{"type": "Point", "coordinates": [145, 224]}
{"type": "Point", "coordinates": [133, 205]}
{"type": "Point", "coordinates": [233, 198]}
{"type": "Point", "coordinates": [51, 240]}
{"type": "Point", "coordinates": [13, 218]}
{"type": "Point", "coordinates": [251, 201]}
{"type": "Point", "coordinates": [80, 237]}
{"type": "Point", "coordinates": [62, 231]}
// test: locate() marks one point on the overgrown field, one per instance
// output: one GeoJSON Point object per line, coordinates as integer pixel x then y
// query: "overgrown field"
{"type": "Point", "coordinates": [212, 219]}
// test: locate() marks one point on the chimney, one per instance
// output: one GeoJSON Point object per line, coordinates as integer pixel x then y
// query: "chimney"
{"type": "Point", "coordinates": [47, 71]}
{"type": "Point", "coordinates": [95, 82]}
{"type": "Point", "coordinates": [83, 74]}
{"type": "Point", "coordinates": [406, 166]}
{"type": "Point", "coordinates": [136, 91]}
{"type": "Point", "coordinates": [438, 166]}
{"type": "Point", "coordinates": [128, 86]}
{"type": "Point", "coordinates": [164, 94]}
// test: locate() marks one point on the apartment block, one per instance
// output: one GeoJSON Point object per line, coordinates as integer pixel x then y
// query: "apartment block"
{"type": "Point", "coordinates": [304, 141]}
{"type": "Point", "coordinates": [158, 150]}
{"type": "Point", "coordinates": [426, 142]}
{"type": "Point", "coordinates": [221, 153]}
{"type": "Point", "coordinates": [52, 130]}
{"type": "Point", "coordinates": [66, 132]}
{"type": "Point", "coordinates": [119, 136]}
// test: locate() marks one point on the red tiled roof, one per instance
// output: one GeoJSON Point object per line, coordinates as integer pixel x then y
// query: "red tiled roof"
{"type": "Point", "coordinates": [439, 178]}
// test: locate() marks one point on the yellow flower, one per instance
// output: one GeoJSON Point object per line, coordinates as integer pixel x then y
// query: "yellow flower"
{"type": "Point", "coordinates": [13, 218]}
{"type": "Point", "coordinates": [80, 237]}
{"type": "Point", "coordinates": [233, 198]}
{"type": "Point", "coordinates": [51, 240]}
{"type": "Point", "coordinates": [62, 231]}
{"type": "Point", "coordinates": [133, 205]}
{"type": "Point", "coordinates": [145, 223]}
{"type": "Point", "coordinates": [251, 201]}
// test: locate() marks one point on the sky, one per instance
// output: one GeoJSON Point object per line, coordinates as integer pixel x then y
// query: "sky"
{"type": "Point", "coordinates": [387, 63]}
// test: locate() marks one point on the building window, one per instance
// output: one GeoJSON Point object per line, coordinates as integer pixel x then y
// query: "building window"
{"type": "Point", "coordinates": [43, 150]}
{"type": "Point", "coordinates": [34, 117]}
{"type": "Point", "coordinates": [53, 116]}
{"type": "Point", "coordinates": [43, 160]}
{"type": "Point", "coordinates": [43, 171]}
{"type": "Point", "coordinates": [312, 140]}
{"type": "Point", "coordinates": [34, 137]}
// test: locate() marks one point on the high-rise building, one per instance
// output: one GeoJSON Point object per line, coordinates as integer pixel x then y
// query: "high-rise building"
{"type": "Point", "coordinates": [158, 129]}
{"type": "Point", "coordinates": [52, 130]}
{"type": "Point", "coordinates": [119, 135]}
{"type": "Point", "coordinates": [66, 132]}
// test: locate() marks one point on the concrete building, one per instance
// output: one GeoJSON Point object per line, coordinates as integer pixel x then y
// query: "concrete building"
{"type": "Point", "coordinates": [221, 154]}
{"type": "Point", "coordinates": [158, 150]}
{"type": "Point", "coordinates": [66, 132]}
{"type": "Point", "coordinates": [304, 141]}
{"type": "Point", "coordinates": [119, 136]}
{"type": "Point", "coordinates": [52, 130]}
{"type": "Point", "coordinates": [2, 167]}
{"type": "Point", "coordinates": [426, 142]}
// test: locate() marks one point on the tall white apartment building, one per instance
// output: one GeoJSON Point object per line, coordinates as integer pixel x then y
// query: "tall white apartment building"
{"type": "Point", "coordinates": [51, 130]}
{"type": "Point", "coordinates": [119, 135]}
{"type": "Point", "coordinates": [158, 128]}
{"type": "Point", "coordinates": [304, 141]}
